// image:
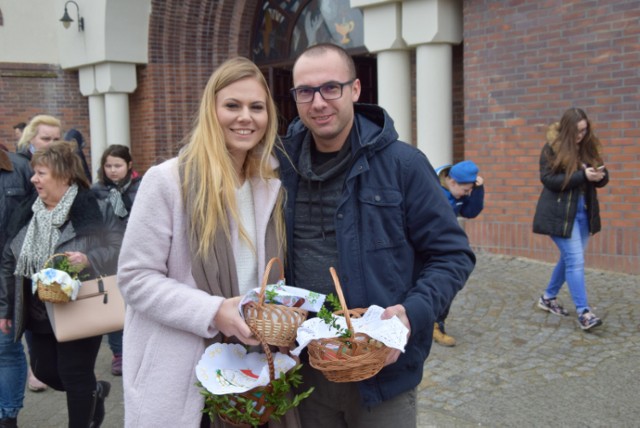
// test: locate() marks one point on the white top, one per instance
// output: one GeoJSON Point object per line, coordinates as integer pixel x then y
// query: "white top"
{"type": "Point", "coordinates": [245, 254]}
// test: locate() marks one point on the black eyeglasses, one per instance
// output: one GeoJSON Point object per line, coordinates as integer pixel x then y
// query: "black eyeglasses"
{"type": "Point", "coordinates": [328, 91]}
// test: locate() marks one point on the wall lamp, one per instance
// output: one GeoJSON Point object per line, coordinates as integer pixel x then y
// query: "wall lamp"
{"type": "Point", "coordinates": [67, 20]}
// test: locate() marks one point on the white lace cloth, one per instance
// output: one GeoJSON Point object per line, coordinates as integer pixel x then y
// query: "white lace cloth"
{"type": "Point", "coordinates": [288, 296]}
{"type": "Point", "coordinates": [227, 368]}
{"type": "Point", "coordinates": [391, 332]}
{"type": "Point", "coordinates": [48, 276]}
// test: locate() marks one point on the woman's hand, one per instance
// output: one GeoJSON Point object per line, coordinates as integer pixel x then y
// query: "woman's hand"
{"type": "Point", "coordinates": [594, 174]}
{"type": "Point", "coordinates": [229, 322]}
{"type": "Point", "coordinates": [401, 313]}
{"type": "Point", "coordinates": [5, 325]}
{"type": "Point", "coordinates": [76, 258]}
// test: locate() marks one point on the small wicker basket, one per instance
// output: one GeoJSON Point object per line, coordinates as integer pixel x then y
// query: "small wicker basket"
{"type": "Point", "coordinates": [53, 292]}
{"type": "Point", "coordinates": [347, 359]}
{"type": "Point", "coordinates": [277, 324]}
{"type": "Point", "coordinates": [258, 396]}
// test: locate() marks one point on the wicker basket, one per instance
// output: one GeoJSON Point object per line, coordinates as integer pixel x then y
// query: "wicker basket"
{"type": "Point", "coordinates": [278, 324]}
{"type": "Point", "coordinates": [53, 292]}
{"type": "Point", "coordinates": [258, 395]}
{"type": "Point", "coordinates": [347, 359]}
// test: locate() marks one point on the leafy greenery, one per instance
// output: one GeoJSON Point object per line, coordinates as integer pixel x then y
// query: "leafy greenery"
{"type": "Point", "coordinates": [326, 315]}
{"type": "Point", "coordinates": [270, 295]}
{"type": "Point", "coordinates": [62, 263]}
{"type": "Point", "coordinates": [240, 409]}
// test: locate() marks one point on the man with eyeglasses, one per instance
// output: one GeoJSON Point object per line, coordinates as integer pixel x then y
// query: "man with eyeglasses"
{"type": "Point", "coordinates": [360, 200]}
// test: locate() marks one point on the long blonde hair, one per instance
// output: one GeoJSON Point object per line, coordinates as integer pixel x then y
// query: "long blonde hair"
{"type": "Point", "coordinates": [209, 179]}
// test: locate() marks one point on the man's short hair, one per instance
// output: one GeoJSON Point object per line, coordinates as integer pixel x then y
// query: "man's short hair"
{"type": "Point", "coordinates": [322, 48]}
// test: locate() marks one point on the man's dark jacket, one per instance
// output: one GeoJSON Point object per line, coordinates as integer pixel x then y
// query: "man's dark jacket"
{"type": "Point", "coordinates": [398, 240]}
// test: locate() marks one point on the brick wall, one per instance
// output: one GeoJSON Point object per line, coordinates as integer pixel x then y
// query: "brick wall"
{"type": "Point", "coordinates": [526, 62]}
{"type": "Point", "coordinates": [30, 89]}
{"type": "Point", "coordinates": [522, 63]}
{"type": "Point", "coordinates": [187, 40]}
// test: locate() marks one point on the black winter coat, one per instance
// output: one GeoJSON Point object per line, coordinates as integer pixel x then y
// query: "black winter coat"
{"type": "Point", "coordinates": [86, 230]}
{"type": "Point", "coordinates": [557, 206]}
{"type": "Point", "coordinates": [102, 192]}
{"type": "Point", "coordinates": [15, 187]}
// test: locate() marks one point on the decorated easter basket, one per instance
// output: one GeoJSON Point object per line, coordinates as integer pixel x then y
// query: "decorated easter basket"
{"type": "Point", "coordinates": [277, 324]}
{"type": "Point", "coordinates": [53, 291]}
{"type": "Point", "coordinates": [257, 396]}
{"type": "Point", "coordinates": [257, 406]}
{"type": "Point", "coordinates": [352, 358]}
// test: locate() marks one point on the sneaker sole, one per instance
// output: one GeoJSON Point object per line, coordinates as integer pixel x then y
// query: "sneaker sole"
{"type": "Point", "coordinates": [592, 326]}
{"type": "Point", "coordinates": [544, 308]}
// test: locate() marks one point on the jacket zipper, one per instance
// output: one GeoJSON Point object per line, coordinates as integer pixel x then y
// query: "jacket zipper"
{"type": "Point", "coordinates": [566, 218]}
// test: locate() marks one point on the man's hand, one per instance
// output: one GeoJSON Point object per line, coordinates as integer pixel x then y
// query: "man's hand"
{"type": "Point", "coordinates": [401, 313]}
{"type": "Point", "coordinates": [229, 322]}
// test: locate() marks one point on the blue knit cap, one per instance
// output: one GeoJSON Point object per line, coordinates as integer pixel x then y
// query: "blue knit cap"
{"type": "Point", "coordinates": [464, 172]}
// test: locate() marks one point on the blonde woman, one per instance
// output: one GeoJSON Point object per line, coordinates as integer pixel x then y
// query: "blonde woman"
{"type": "Point", "coordinates": [41, 131]}
{"type": "Point", "coordinates": [199, 235]}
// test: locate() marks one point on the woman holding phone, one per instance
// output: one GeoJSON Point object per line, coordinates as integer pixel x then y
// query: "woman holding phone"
{"type": "Point", "coordinates": [571, 169]}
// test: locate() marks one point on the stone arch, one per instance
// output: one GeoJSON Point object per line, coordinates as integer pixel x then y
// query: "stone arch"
{"type": "Point", "coordinates": [188, 39]}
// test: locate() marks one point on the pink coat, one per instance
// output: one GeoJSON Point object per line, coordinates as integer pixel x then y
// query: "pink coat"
{"type": "Point", "coordinates": [167, 315]}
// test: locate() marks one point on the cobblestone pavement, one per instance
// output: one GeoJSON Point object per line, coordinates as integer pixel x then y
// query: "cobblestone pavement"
{"type": "Point", "coordinates": [514, 364]}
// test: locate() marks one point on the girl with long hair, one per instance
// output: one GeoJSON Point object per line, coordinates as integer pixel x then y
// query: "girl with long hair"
{"type": "Point", "coordinates": [117, 185]}
{"type": "Point", "coordinates": [571, 169]}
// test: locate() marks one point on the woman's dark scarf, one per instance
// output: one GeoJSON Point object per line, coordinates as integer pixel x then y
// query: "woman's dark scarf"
{"type": "Point", "coordinates": [116, 190]}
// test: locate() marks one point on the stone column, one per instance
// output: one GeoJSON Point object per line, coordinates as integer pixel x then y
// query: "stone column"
{"type": "Point", "coordinates": [432, 27]}
{"type": "Point", "coordinates": [108, 86]}
{"type": "Point", "coordinates": [98, 131]}
{"type": "Point", "coordinates": [105, 53]}
{"type": "Point", "coordinates": [117, 114]}
{"type": "Point", "coordinates": [382, 35]}
{"type": "Point", "coordinates": [434, 102]}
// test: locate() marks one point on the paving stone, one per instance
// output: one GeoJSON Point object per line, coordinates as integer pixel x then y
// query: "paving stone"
{"type": "Point", "coordinates": [514, 365]}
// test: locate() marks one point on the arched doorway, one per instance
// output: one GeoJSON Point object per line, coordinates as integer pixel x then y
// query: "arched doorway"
{"type": "Point", "coordinates": [282, 30]}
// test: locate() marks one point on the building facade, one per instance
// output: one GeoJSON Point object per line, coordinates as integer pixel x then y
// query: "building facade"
{"type": "Point", "coordinates": [463, 79]}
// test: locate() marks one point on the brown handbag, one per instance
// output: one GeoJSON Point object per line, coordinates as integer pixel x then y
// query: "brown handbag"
{"type": "Point", "coordinates": [98, 309]}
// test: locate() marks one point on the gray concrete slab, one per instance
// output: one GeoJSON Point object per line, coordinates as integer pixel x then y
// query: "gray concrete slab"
{"type": "Point", "coordinates": [514, 365]}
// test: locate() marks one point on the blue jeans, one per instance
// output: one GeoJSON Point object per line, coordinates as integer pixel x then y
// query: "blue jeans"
{"type": "Point", "coordinates": [115, 342]}
{"type": "Point", "coordinates": [13, 376]}
{"type": "Point", "coordinates": [570, 267]}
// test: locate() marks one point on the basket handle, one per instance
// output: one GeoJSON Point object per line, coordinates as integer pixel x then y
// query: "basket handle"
{"type": "Point", "coordinates": [345, 310]}
{"type": "Point", "coordinates": [265, 278]}
{"type": "Point", "coordinates": [53, 256]}
{"type": "Point", "coordinates": [267, 352]}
